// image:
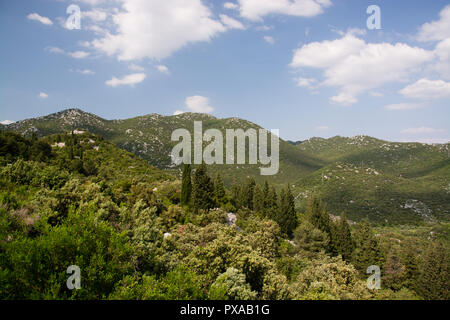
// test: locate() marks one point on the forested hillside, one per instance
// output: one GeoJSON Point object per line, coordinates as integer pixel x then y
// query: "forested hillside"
{"type": "Point", "coordinates": [389, 182]}
{"type": "Point", "coordinates": [138, 232]}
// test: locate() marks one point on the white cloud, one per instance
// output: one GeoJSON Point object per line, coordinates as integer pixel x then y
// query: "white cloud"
{"type": "Point", "coordinates": [6, 122]}
{"type": "Point", "coordinates": [355, 66]}
{"type": "Point", "coordinates": [79, 54]}
{"type": "Point", "coordinates": [326, 53]}
{"type": "Point", "coordinates": [269, 39]}
{"type": "Point", "coordinates": [404, 106]}
{"type": "Point", "coordinates": [97, 29]}
{"type": "Point", "coordinates": [163, 69]}
{"type": "Point", "coordinates": [306, 82]}
{"type": "Point", "coordinates": [421, 130]}
{"type": "Point", "coordinates": [76, 54]}
{"type": "Point", "coordinates": [55, 50]}
{"type": "Point", "coordinates": [344, 98]}
{"type": "Point", "coordinates": [321, 128]}
{"type": "Point", "coordinates": [427, 89]}
{"type": "Point", "coordinates": [92, 2]}
{"type": "Point", "coordinates": [42, 95]}
{"type": "Point", "coordinates": [177, 112]}
{"type": "Point", "coordinates": [442, 52]}
{"type": "Point", "coordinates": [263, 28]}
{"type": "Point", "coordinates": [436, 30]}
{"type": "Point", "coordinates": [85, 71]}
{"type": "Point", "coordinates": [198, 104]}
{"type": "Point", "coordinates": [230, 5]}
{"type": "Point", "coordinates": [95, 15]}
{"type": "Point", "coordinates": [256, 9]}
{"type": "Point", "coordinates": [135, 67]}
{"type": "Point", "coordinates": [37, 17]}
{"type": "Point", "coordinates": [130, 80]}
{"type": "Point", "coordinates": [231, 23]}
{"type": "Point", "coordinates": [155, 29]}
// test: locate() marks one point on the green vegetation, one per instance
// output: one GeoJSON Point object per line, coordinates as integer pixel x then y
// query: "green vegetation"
{"type": "Point", "coordinates": [388, 182]}
{"type": "Point", "coordinates": [138, 232]}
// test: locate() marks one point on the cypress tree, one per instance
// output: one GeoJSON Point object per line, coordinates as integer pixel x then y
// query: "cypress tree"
{"type": "Point", "coordinates": [203, 189]}
{"type": "Point", "coordinates": [219, 191]}
{"type": "Point", "coordinates": [236, 195]}
{"type": "Point", "coordinates": [410, 261]}
{"type": "Point", "coordinates": [318, 216]}
{"type": "Point", "coordinates": [367, 248]}
{"type": "Point", "coordinates": [186, 185]}
{"type": "Point", "coordinates": [344, 239]}
{"type": "Point", "coordinates": [286, 216]}
{"type": "Point", "coordinates": [434, 278]}
{"type": "Point", "coordinates": [271, 203]}
{"type": "Point", "coordinates": [246, 194]}
{"type": "Point", "coordinates": [265, 193]}
{"type": "Point", "coordinates": [258, 200]}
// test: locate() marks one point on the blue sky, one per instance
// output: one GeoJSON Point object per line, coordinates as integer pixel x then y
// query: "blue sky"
{"type": "Point", "coordinates": [306, 67]}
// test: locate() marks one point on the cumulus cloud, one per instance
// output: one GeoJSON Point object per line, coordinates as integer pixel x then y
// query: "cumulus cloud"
{"type": "Point", "coordinates": [155, 29]}
{"type": "Point", "coordinates": [354, 66]}
{"type": "Point", "coordinates": [55, 50]}
{"type": "Point", "coordinates": [442, 51]}
{"type": "Point", "coordinates": [198, 104]}
{"type": "Point", "coordinates": [79, 54]}
{"type": "Point", "coordinates": [436, 30]}
{"type": "Point", "coordinates": [326, 53]}
{"type": "Point", "coordinates": [42, 95]}
{"type": "Point", "coordinates": [135, 67]}
{"type": "Point", "coordinates": [421, 130]}
{"type": "Point", "coordinates": [95, 15]}
{"type": "Point", "coordinates": [427, 89]}
{"type": "Point", "coordinates": [177, 112]}
{"type": "Point", "coordinates": [129, 80]}
{"type": "Point", "coordinates": [231, 23]}
{"type": "Point", "coordinates": [163, 69]}
{"type": "Point", "coordinates": [269, 39]}
{"type": "Point", "coordinates": [6, 122]}
{"type": "Point", "coordinates": [256, 9]}
{"type": "Point", "coordinates": [306, 82]}
{"type": "Point", "coordinates": [37, 17]}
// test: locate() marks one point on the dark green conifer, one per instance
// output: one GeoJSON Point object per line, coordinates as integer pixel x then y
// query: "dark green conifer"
{"type": "Point", "coordinates": [219, 191]}
{"type": "Point", "coordinates": [186, 185]}
{"type": "Point", "coordinates": [434, 277]}
{"type": "Point", "coordinates": [344, 241]}
{"type": "Point", "coordinates": [203, 189]}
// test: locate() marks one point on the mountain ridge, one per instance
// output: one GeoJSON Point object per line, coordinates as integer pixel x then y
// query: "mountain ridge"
{"type": "Point", "coordinates": [362, 175]}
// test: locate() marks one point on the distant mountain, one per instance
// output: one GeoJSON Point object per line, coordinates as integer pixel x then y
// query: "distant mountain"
{"type": "Point", "coordinates": [387, 181]}
{"type": "Point", "coordinates": [361, 175]}
{"type": "Point", "coordinates": [149, 137]}
{"type": "Point", "coordinates": [294, 142]}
